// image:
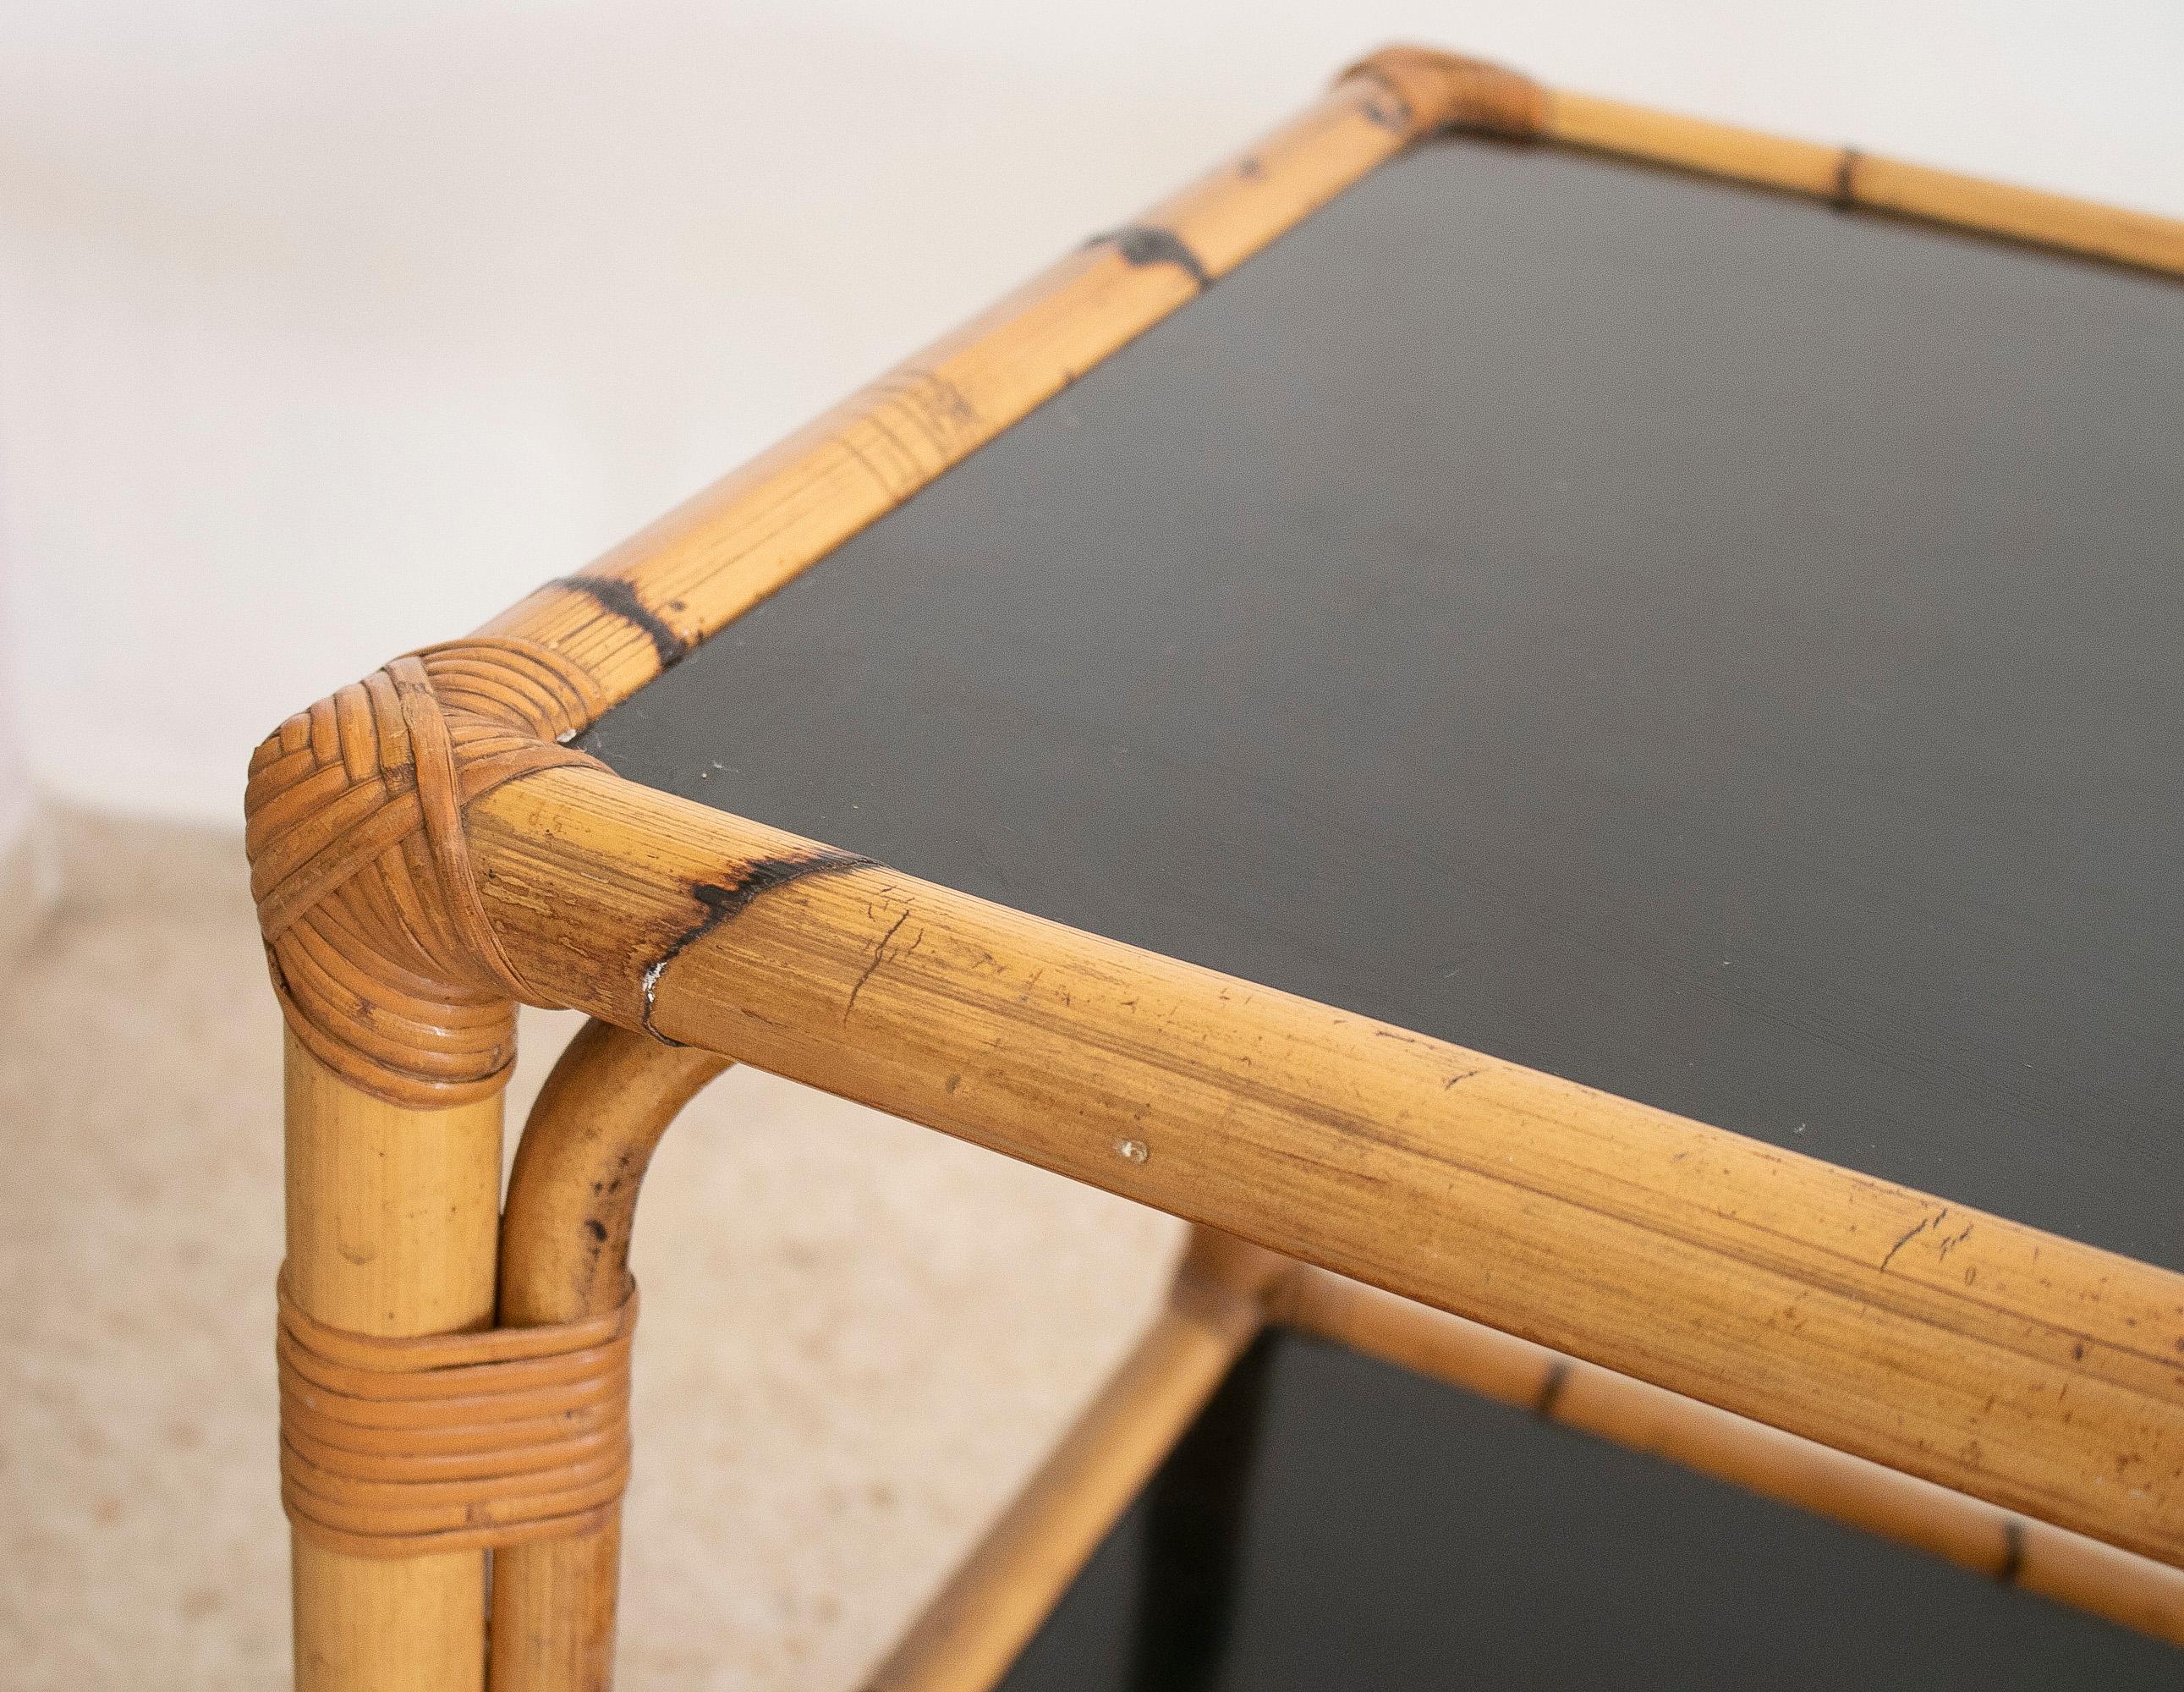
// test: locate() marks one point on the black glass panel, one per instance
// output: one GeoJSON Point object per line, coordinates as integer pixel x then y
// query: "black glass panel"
{"type": "Point", "coordinates": [1708, 646]}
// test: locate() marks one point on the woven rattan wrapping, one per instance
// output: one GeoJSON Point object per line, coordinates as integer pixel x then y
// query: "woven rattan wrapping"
{"type": "Point", "coordinates": [385, 964]}
{"type": "Point", "coordinates": [393, 1447]}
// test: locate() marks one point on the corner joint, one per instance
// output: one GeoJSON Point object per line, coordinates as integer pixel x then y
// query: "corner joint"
{"type": "Point", "coordinates": [385, 962]}
{"type": "Point", "coordinates": [1437, 91]}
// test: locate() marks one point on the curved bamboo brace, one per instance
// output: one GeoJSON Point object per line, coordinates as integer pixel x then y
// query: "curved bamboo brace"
{"type": "Point", "coordinates": [565, 1255]}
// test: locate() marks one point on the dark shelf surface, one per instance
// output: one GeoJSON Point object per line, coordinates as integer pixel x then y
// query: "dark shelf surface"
{"type": "Point", "coordinates": [1709, 646]}
{"type": "Point", "coordinates": [1361, 1529]}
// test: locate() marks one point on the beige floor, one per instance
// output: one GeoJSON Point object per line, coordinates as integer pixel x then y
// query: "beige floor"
{"type": "Point", "coordinates": [858, 1335]}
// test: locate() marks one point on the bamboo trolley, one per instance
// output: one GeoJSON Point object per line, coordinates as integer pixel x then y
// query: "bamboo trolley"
{"type": "Point", "coordinates": [427, 851]}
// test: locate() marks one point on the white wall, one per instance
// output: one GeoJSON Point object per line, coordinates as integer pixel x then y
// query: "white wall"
{"type": "Point", "coordinates": [326, 330]}
{"type": "Point", "coordinates": [14, 764]}
{"type": "Point", "coordinates": [28, 883]}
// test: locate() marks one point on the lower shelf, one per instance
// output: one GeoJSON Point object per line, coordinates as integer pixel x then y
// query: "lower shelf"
{"type": "Point", "coordinates": [1335, 1522]}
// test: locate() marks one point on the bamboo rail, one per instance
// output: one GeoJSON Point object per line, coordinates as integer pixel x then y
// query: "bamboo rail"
{"type": "Point", "coordinates": [2030, 1371]}
{"type": "Point", "coordinates": [1847, 177]}
{"type": "Point", "coordinates": [2134, 1591]}
{"type": "Point", "coordinates": [637, 609]}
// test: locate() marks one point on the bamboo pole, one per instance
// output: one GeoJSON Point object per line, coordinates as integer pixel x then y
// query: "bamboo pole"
{"type": "Point", "coordinates": [1849, 177]}
{"type": "Point", "coordinates": [2069, 1567]}
{"type": "Point", "coordinates": [392, 1219]}
{"type": "Point", "coordinates": [2034, 1371]}
{"type": "Point", "coordinates": [565, 1255]}
{"type": "Point", "coordinates": [635, 611]}
{"type": "Point", "coordinates": [981, 1620]}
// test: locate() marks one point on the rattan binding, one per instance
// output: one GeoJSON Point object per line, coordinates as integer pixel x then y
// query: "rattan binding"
{"type": "Point", "coordinates": [386, 965]}
{"type": "Point", "coordinates": [394, 1448]}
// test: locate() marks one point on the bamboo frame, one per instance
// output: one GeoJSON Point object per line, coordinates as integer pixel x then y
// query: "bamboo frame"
{"type": "Point", "coordinates": [1925, 1337]}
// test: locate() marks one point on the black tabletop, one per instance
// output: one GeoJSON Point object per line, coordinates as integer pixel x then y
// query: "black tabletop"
{"type": "Point", "coordinates": [1333, 1523]}
{"type": "Point", "coordinates": [1706, 645]}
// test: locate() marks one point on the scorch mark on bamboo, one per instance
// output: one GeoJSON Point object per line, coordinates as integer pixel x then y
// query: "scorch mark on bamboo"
{"type": "Point", "coordinates": [722, 901]}
{"type": "Point", "coordinates": [1846, 193]}
{"type": "Point", "coordinates": [618, 598]}
{"type": "Point", "coordinates": [1148, 243]}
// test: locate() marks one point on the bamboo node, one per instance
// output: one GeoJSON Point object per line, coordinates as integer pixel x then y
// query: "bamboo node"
{"type": "Point", "coordinates": [385, 964]}
{"type": "Point", "coordinates": [400, 1447]}
{"type": "Point", "coordinates": [1445, 91]}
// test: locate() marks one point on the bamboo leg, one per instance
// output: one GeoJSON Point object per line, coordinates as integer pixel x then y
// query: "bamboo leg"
{"type": "Point", "coordinates": [1195, 1516]}
{"type": "Point", "coordinates": [995, 1602]}
{"type": "Point", "coordinates": [564, 1251]}
{"type": "Point", "coordinates": [392, 1219]}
